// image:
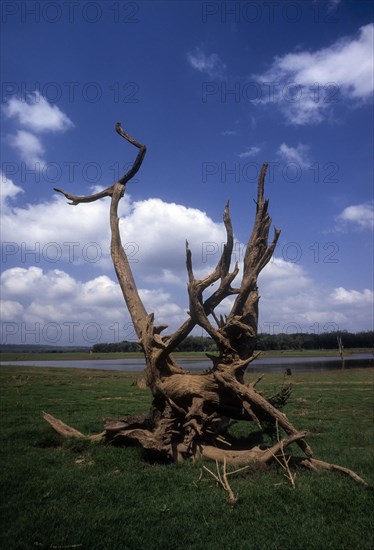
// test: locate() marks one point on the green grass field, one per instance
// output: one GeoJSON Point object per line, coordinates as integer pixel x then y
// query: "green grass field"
{"type": "Point", "coordinates": [73, 494]}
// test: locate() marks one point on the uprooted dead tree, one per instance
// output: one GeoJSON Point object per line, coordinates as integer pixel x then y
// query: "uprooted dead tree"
{"type": "Point", "coordinates": [191, 413]}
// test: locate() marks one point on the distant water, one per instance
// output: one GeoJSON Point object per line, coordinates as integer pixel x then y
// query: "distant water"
{"type": "Point", "coordinates": [278, 364]}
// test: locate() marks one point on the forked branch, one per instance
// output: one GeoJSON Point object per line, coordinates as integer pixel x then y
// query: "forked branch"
{"type": "Point", "coordinates": [108, 192]}
{"type": "Point", "coordinates": [200, 309]}
{"type": "Point", "coordinates": [222, 480]}
{"type": "Point", "coordinates": [136, 308]}
{"type": "Point", "coordinates": [190, 414]}
{"type": "Point", "coordinates": [258, 253]}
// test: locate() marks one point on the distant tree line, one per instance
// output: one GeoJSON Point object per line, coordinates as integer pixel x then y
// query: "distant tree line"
{"type": "Point", "coordinates": [299, 341]}
{"type": "Point", "coordinates": [325, 340]}
{"type": "Point", "coordinates": [117, 347]}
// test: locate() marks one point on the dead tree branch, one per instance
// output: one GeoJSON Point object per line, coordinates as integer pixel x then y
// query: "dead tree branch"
{"type": "Point", "coordinates": [190, 414]}
{"type": "Point", "coordinates": [223, 482]}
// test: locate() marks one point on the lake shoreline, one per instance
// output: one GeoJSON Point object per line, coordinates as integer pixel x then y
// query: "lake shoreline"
{"type": "Point", "coordinates": [185, 356]}
{"type": "Point", "coordinates": [200, 365]}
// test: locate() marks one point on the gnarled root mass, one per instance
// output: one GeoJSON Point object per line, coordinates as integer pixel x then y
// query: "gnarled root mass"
{"type": "Point", "coordinates": [172, 432]}
{"type": "Point", "coordinates": [191, 413]}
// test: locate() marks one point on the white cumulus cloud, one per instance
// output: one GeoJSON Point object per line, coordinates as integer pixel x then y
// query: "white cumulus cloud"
{"type": "Point", "coordinates": [153, 231]}
{"type": "Point", "coordinates": [343, 296]}
{"type": "Point", "coordinates": [10, 310]}
{"type": "Point", "coordinates": [357, 216]}
{"type": "Point", "coordinates": [35, 116]}
{"type": "Point", "coordinates": [154, 234]}
{"type": "Point", "coordinates": [51, 306]}
{"type": "Point", "coordinates": [291, 301]}
{"type": "Point", "coordinates": [29, 147]}
{"type": "Point", "coordinates": [8, 190]}
{"type": "Point", "coordinates": [310, 83]}
{"type": "Point", "coordinates": [35, 113]}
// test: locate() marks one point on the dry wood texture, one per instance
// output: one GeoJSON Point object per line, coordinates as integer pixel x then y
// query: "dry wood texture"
{"type": "Point", "coordinates": [190, 414]}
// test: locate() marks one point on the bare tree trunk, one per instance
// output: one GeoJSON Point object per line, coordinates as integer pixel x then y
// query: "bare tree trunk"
{"type": "Point", "coordinates": [190, 414]}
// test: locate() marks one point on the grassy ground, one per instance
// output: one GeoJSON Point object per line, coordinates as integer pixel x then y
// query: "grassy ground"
{"type": "Point", "coordinates": [81, 356]}
{"type": "Point", "coordinates": [65, 494]}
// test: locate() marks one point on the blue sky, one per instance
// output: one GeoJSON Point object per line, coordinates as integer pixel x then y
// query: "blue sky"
{"type": "Point", "coordinates": [214, 89]}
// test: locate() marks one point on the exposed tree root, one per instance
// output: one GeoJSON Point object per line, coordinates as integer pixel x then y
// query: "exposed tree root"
{"type": "Point", "coordinates": [60, 427]}
{"type": "Point", "coordinates": [67, 431]}
{"type": "Point", "coordinates": [254, 455]}
{"type": "Point", "coordinates": [124, 433]}
{"type": "Point", "coordinates": [190, 414]}
{"type": "Point", "coordinates": [314, 464]}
